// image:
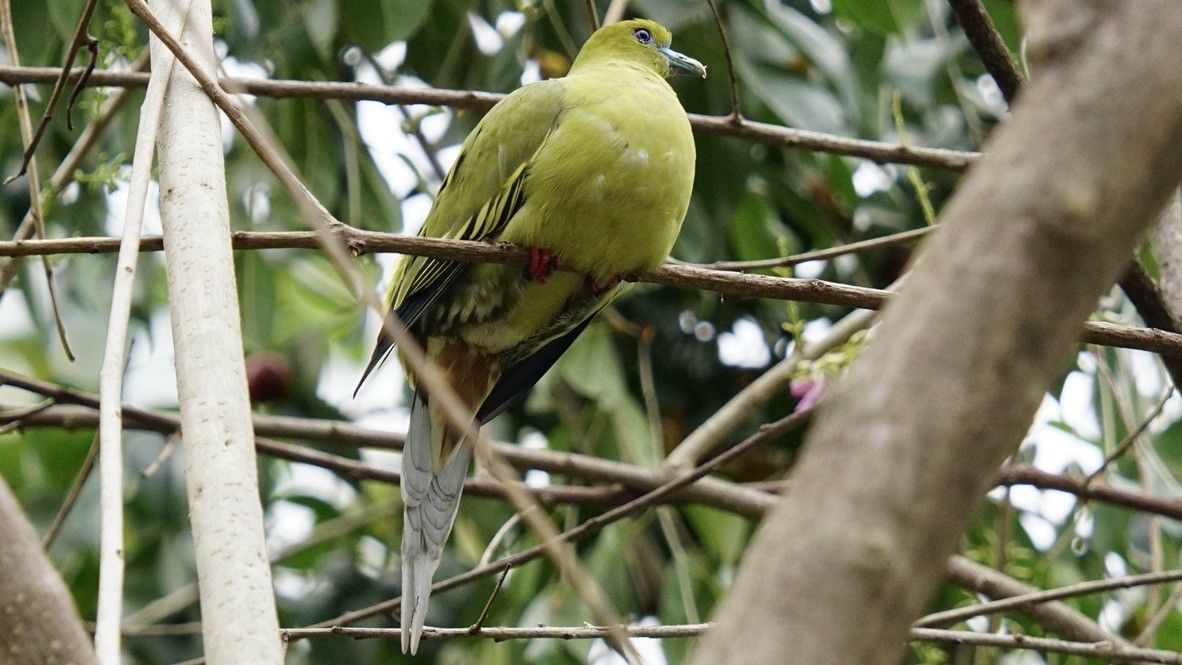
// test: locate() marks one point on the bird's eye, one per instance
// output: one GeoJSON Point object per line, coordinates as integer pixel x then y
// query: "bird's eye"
{"type": "Point", "coordinates": [643, 36]}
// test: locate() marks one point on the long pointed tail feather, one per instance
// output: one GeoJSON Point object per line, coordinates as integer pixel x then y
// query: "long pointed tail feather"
{"type": "Point", "coordinates": [430, 504]}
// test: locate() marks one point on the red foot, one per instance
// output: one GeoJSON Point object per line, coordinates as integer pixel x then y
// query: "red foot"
{"type": "Point", "coordinates": [542, 264]}
{"type": "Point", "coordinates": [600, 287]}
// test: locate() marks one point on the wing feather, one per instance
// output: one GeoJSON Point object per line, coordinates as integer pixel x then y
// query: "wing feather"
{"type": "Point", "coordinates": [479, 195]}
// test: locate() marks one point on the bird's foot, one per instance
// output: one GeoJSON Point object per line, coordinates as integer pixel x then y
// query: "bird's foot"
{"type": "Point", "coordinates": [542, 264]}
{"type": "Point", "coordinates": [599, 287]}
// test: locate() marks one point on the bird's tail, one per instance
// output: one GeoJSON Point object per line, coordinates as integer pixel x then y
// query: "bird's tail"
{"type": "Point", "coordinates": [432, 481]}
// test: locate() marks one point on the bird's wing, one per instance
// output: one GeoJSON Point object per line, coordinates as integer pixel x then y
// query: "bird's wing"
{"type": "Point", "coordinates": [480, 194]}
{"type": "Point", "coordinates": [519, 377]}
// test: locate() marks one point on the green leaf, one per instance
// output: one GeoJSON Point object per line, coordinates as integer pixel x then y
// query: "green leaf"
{"type": "Point", "coordinates": [372, 24]}
{"type": "Point", "coordinates": [320, 20]}
{"type": "Point", "coordinates": [756, 231]}
{"type": "Point", "coordinates": [723, 535]}
{"type": "Point", "coordinates": [256, 294]}
{"type": "Point", "coordinates": [884, 17]}
{"type": "Point", "coordinates": [64, 16]}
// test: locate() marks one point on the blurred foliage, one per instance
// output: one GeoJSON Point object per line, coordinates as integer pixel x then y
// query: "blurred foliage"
{"type": "Point", "coordinates": [887, 70]}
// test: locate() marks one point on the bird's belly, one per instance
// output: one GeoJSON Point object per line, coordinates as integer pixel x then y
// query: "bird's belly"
{"type": "Point", "coordinates": [506, 313]}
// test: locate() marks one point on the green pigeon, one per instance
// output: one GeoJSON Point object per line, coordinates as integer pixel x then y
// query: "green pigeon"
{"type": "Point", "coordinates": [592, 171]}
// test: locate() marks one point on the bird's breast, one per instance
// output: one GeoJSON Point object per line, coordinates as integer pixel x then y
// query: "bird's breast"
{"type": "Point", "coordinates": [610, 186]}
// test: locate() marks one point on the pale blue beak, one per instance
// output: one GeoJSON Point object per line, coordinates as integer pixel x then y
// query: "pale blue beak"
{"type": "Point", "coordinates": [683, 62]}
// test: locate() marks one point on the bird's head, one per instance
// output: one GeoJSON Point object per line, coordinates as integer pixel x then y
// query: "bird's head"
{"type": "Point", "coordinates": [638, 41]}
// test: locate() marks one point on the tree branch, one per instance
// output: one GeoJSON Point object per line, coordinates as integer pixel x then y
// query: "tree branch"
{"type": "Point", "coordinates": [908, 443]}
{"type": "Point", "coordinates": [726, 282]}
{"type": "Point", "coordinates": [239, 618]}
{"type": "Point", "coordinates": [38, 621]}
{"type": "Point", "coordinates": [1100, 649]}
{"type": "Point", "coordinates": [988, 44]}
{"type": "Point", "coordinates": [786, 137]}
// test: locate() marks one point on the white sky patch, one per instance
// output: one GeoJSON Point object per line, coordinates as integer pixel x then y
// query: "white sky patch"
{"type": "Point", "coordinates": [989, 91]}
{"type": "Point", "coordinates": [287, 523]}
{"type": "Point", "coordinates": [339, 377]}
{"type": "Point", "coordinates": [307, 480]}
{"type": "Point", "coordinates": [372, 556]}
{"type": "Point", "coordinates": [487, 38]}
{"type": "Point", "coordinates": [381, 129]}
{"type": "Point", "coordinates": [649, 649]}
{"type": "Point", "coordinates": [257, 201]}
{"type": "Point", "coordinates": [1076, 404]}
{"type": "Point", "coordinates": [870, 178]}
{"type": "Point", "coordinates": [117, 206]}
{"type": "Point", "coordinates": [531, 72]}
{"type": "Point", "coordinates": [508, 23]}
{"type": "Point", "coordinates": [235, 68]}
{"type": "Point", "coordinates": [16, 320]}
{"type": "Point", "coordinates": [70, 194]}
{"type": "Point", "coordinates": [846, 263]}
{"type": "Point", "coordinates": [535, 440]}
{"type": "Point", "coordinates": [291, 584]}
{"type": "Point", "coordinates": [744, 346]}
{"type": "Point", "coordinates": [809, 269]}
{"type": "Point", "coordinates": [815, 330]}
{"type": "Point", "coordinates": [822, 6]}
{"type": "Point", "coordinates": [151, 366]}
{"type": "Point", "coordinates": [392, 56]}
{"type": "Point", "coordinates": [1042, 533]}
{"type": "Point", "coordinates": [1146, 371]}
{"type": "Point", "coordinates": [244, 69]}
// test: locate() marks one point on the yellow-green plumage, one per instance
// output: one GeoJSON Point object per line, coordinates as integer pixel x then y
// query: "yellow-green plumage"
{"type": "Point", "coordinates": [595, 168]}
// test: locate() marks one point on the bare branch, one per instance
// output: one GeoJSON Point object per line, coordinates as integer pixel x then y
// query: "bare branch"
{"type": "Point", "coordinates": [785, 137]}
{"type": "Point", "coordinates": [988, 44]}
{"type": "Point", "coordinates": [725, 282]}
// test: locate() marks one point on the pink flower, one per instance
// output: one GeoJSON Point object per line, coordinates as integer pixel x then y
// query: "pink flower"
{"type": "Point", "coordinates": [808, 390]}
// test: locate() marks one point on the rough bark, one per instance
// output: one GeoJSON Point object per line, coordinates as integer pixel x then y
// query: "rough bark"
{"type": "Point", "coordinates": [906, 446]}
{"type": "Point", "coordinates": [39, 624]}
{"type": "Point", "coordinates": [237, 602]}
{"type": "Point", "coordinates": [1169, 256]}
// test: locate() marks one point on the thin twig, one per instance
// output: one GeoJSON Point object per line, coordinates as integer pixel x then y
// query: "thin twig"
{"type": "Point", "coordinates": [92, 47]}
{"type": "Point", "coordinates": [1159, 617]}
{"type": "Point", "coordinates": [753, 396]}
{"type": "Point", "coordinates": [615, 11]}
{"type": "Point", "coordinates": [822, 254]}
{"type": "Point", "coordinates": [595, 524]}
{"type": "Point", "coordinates": [1132, 437]}
{"type": "Point", "coordinates": [476, 627]}
{"type": "Point", "coordinates": [66, 170]}
{"type": "Point", "coordinates": [786, 137]}
{"type": "Point", "coordinates": [1022, 474]}
{"type": "Point", "coordinates": [109, 614]}
{"type": "Point", "coordinates": [949, 617]}
{"type": "Point", "coordinates": [713, 492]}
{"type": "Point", "coordinates": [34, 176]}
{"type": "Point", "coordinates": [592, 14]}
{"type": "Point", "coordinates": [13, 419]}
{"type": "Point", "coordinates": [77, 42]}
{"type": "Point", "coordinates": [988, 44]}
{"type": "Point", "coordinates": [1103, 650]}
{"type": "Point", "coordinates": [727, 283]}
{"type": "Point", "coordinates": [736, 115]}
{"type": "Point", "coordinates": [1055, 617]}
{"type": "Point", "coordinates": [72, 496]}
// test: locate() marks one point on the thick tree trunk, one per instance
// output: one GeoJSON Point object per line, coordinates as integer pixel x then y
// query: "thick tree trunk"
{"type": "Point", "coordinates": [237, 601]}
{"type": "Point", "coordinates": [38, 621]}
{"type": "Point", "coordinates": [907, 445]}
